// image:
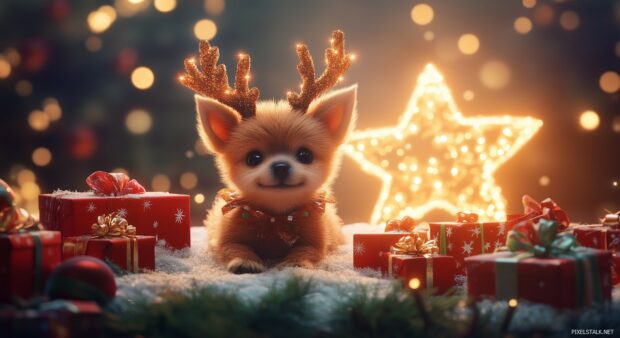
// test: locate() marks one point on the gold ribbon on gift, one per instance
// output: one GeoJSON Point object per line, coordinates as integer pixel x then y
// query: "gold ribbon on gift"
{"type": "Point", "coordinates": [609, 221]}
{"type": "Point", "coordinates": [415, 244]}
{"type": "Point", "coordinates": [112, 226]}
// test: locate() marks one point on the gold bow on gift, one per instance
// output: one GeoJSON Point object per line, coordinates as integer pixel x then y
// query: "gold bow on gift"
{"type": "Point", "coordinates": [415, 244]}
{"type": "Point", "coordinates": [611, 220]}
{"type": "Point", "coordinates": [13, 218]}
{"type": "Point", "coordinates": [112, 225]}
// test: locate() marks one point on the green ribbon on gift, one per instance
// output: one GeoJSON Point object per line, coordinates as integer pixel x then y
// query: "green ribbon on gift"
{"type": "Point", "coordinates": [37, 284]}
{"type": "Point", "coordinates": [549, 244]}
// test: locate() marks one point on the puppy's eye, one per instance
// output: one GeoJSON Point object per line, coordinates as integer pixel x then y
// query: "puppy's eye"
{"type": "Point", "coordinates": [304, 156]}
{"type": "Point", "coordinates": [253, 158]}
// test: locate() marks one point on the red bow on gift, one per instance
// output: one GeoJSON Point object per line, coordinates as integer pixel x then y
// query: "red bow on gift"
{"type": "Point", "coordinates": [466, 217]}
{"type": "Point", "coordinates": [114, 184]}
{"type": "Point", "coordinates": [546, 209]}
{"type": "Point", "coordinates": [611, 219]}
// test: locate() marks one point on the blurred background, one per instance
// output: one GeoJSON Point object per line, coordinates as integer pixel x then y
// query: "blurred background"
{"type": "Point", "coordinates": [91, 85]}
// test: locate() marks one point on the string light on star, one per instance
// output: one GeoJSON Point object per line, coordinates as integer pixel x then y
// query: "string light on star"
{"type": "Point", "coordinates": [435, 158]}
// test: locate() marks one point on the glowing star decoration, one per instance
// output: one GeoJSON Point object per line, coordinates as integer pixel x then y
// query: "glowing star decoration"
{"type": "Point", "coordinates": [435, 158]}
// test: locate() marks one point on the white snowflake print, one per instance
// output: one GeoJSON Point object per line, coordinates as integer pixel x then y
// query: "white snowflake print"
{"type": "Point", "coordinates": [475, 232]}
{"type": "Point", "coordinates": [502, 229]}
{"type": "Point", "coordinates": [122, 212]}
{"type": "Point", "coordinates": [498, 244]}
{"type": "Point", "coordinates": [450, 246]}
{"type": "Point", "coordinates": [395, 268]}
{"type": "Point", "coordinates": [487, 246]}
{"type": "Point", "coordinates": [614, 241]}
{"type": "Point", "coordinates": [155, 225]}
{"type": "Point", "coordinates": [178, 217]}
{"type": "Point", "coordinates": [595, 241]}
{"type": "Point", "coordinates": [359, 249]}
{"type": "Point", "coordinates": [147, 205]}
{"type": "Point", "coordinates": [91, 207]}
{"type": "Point", "coordinates": [468, 247]}
{"type": "Point", "coordinates": [449, 231]}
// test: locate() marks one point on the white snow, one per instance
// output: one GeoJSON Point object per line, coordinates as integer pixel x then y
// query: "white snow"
{"type": "Point", "coordinates": [332, 280]}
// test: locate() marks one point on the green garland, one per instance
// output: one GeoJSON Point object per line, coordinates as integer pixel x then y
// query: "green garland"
{"type": "Point", "coordinates": [284, 311]}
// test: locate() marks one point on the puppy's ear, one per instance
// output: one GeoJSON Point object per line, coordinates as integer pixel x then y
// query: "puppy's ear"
{"type": "Point", "coordinates": [336, 111]}
{"type": "Point", "coordinates": [215, 122]}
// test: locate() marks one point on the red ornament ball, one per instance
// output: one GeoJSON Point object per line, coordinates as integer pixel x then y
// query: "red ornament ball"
{"type": "Point", "coordinates": [7, 197]}
{"type": "Point", "coordinates": [82, 278]}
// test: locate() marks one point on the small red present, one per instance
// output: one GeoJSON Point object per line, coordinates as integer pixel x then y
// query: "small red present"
{"type": "Point", "coordinates": [415, 257]}
{"type": "Point", "coordinates": [369, 249]}
{"type": "Point", "coordinates": [55, 319]}
{"type": "Point", "coordinates": [114, 240]}
{"type": "Point", "coordinates": [26, 261]}
{"type": "Point", "coordinates": [542, 266]}
{"type": "Point", "coordinates": [468, 237]}
{"type": "Point", "coordinates": [163, 215]}
{"type": "Point", "coordinates": [605, 236]}
{"type": "Point", "coordinates": [615, 268]}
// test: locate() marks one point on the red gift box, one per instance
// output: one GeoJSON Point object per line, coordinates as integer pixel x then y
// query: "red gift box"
{"type": "Point", "coordinates": [134, 253]}
{"type": "Point", "coordinates": [464, 239]}
{"type": "Point", "coordinates": [615, 268]}
{"type": "Point", "coordinates": [560, 282]}
{"type": "Point", "coordinates": [26, 261]}
{"type": "Point", "coordinates": [369, 249]}
{"type": "Point", "coordinates": [434, 271]}
{"type": "Point", "coordinates": [598, 236]}
{"type": "Point", "coordinates": [163, 215]}
{"type": "Point", "coordinates": [55, 319]}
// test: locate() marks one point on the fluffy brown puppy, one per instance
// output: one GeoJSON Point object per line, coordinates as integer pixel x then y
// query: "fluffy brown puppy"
{"type": "Point", "coordinates": [278, 160]}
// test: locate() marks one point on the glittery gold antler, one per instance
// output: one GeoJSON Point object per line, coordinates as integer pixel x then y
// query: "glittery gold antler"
{"type": "Point", "coordinates": [337, 64]}
{"type": "Point", "coordinates": [212, 80]}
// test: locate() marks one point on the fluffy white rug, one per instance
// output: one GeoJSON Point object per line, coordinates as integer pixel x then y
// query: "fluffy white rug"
{"type": "Point", "coordinates": [334, 279]}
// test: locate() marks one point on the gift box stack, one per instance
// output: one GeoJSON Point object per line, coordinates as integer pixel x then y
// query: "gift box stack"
{"type": "Point", "coordinates": [405, 253]}
{"type": "Point", "coordinates": [604, 236]}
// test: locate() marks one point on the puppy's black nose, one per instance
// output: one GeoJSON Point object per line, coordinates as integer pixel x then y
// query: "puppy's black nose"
{"type": "Point", "coordinates": [280, 170]}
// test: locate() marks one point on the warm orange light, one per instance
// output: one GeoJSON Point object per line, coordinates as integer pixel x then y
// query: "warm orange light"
{"type": "Point", "coordinates": [609, 82]}
{"type": "Point", "coordinates": [138, 122]}
{"type": "Point", "coordinates": [513, 303]}
{"type": "Point", "coordinates": [160, 182]}
{"type": "Point", "coordinates": [165, 6]}
{"type": "Point", "coordinates": [422, 14]}
{"type": "Point", "coordinates": [589, 120]}
{"type": "Point", "coordinates": [188, 180]}
{"type": "Point", "coordinates": [494, 74]}
{"type": "Point", "coordinates": [522, 25]}
{"type": "Point", "coordinates": [199, 198]}
{"type": "Point", "coordinates": [569, 20]}
{"type": "Point", "coordinates": [41, 156]}
{"type": "Point", "coordinates": [468, 44]}
{"type": "Point", "coordinates": [205, 29]}
{"type": "Point", "coordinates": [142, 78]}
{"type": "Point", "coordinates": [414, 283]}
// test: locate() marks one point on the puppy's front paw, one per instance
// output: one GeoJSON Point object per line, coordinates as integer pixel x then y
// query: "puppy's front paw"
{"type": "Point", "coordinates": [240, 265]}
{"type": "Point", "coordinates": [306, 264]}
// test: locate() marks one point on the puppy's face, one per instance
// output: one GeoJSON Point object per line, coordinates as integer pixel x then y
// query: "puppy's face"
{"type": "Point", "coordinates": [281, 157]}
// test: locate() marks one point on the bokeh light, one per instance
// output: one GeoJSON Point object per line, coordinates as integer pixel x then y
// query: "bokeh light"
{"type": "Point", "coordinates": [12, 56]}
{"type": "Point", "coordinates": [38, 120]}
{"type": "Point", "coordinates": [494, 74]}
{"type": "Point", "coordinates": [544, 15]}
{"type": "Point", "coordinates": [5, 68]}
{"type": "Point", "coordinates": [422, 14]}
{"type": "Point", "coordinates": [609, 82]}
{"type": "Point", "coordinates": [615, 124]}
{"type": "Point", "coordinates": [188, 180]}
{"type": "Point", "coordinates": [414, 283]}
{"type": "Point", "coordinates": [41, 156]}
{"type": "Point", "coordinates": [429, 36]}
{"type": "Point", "coordinates": [529, 3]}
{"type": "Point", "coordinates": [23, 88]}
{"type": "Point", "coordinates": [199, 198]}
{"type": "Point", "coordinates": [101, 19]}
{"type": "Point", "coordinates": [25, 175]}
{"type": "Point", "coordinates": [589, 120]}
{"type": "Point", "coordinates": [93, 44]}
{"type": "Point", "coordinates": [121, 170]}
{"type": "Point", "coordinates": [214, 7]}
{"type": "Point", "coordinates": [468, 44]}
{"type": "Point", "coordinates": [200, 148]}
{"type": "Point", "coordinates": [29, 190]}
{"type": "Point", "coordinates": [468, 95]}
{"type": "Point", "coordinates": [569, 20]}
{"type": "Point", "coordinates": [205, 29]}
{"type": "Point", "coordinates": [128, 8]}
{"type": "Point", "coordinates": [138, 121]}
{"type": "Point", "coordinates": [160, 182]}
{"type": "Point", "coordinates": [522, 25]}
{"type": "Point", "coordinates": [52, 109]}
{"type": "Point", "coordinates": [165, 6]}
{"type": "Point", "coordinates": [544, 180]}
{"type": "Point", "coordinates": [142, 78]}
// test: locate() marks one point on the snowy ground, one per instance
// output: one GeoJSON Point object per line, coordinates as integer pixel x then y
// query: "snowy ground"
{"type": "Point", "coordinates": [184, 270]}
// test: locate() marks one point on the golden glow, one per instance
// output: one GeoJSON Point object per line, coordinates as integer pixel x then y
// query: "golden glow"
{"type": "Point", "coordinates": [522, 25]}
{"type": "Point", "coordinates": [38, 120]}
{"type": "Point", "coordinates": [614, 183]}
{"type": "Point", "coordinates": [205, 29]}
{"type": "Point", "coordinates": [199, 198]}
{"type": "Point", "coordinates": [429, 36]}
{"type": "Point", "coordinates": [160, 182]}
{"type": "Point", "coordinates": [569, 20]}
{"type": "Point", "coordinates": [52, 109]}
{"type": "Point", "coordinates": [214, 7]}
{"type": "Point", "coordinates": [41, 157]}
{"type": "Point", "coordinates": [188, 180]}
{"type": "Point", "coordinates": [138, 122]}
{"type": "Point", "coordinates": [513, 303]}
{"type": "Point", "coordinates": [29, 190]}
{"type": "Point", "coordinates": [25, 175]}
{"type": "Point", "coordinates": [609, 82]}
{"type": "Point", "coordinates": [455, 171]}
{"type": "Point", "coordinates": [615, 124]}
{"type": "Point", "coordinates": [5, 68]}
{"type": "Point", "coordinates": [414, 283]}
{"type": "Point", "coordinates": [93, 44]}
{"type": "Point", "coordinates": [101, 19]}
{"type": "Point", "coordinates": [589, 120]}
{"type": "Point", "coordinates": [165, 6]}
{"type": "Point", "coordinates": [422, 14]}
{"type": "Point", "coordinates": [23, 88]}
{"type": "Point", "coordinates": [468, 44]}
{"type": "Point", "coordinates": [494, 74]}
{"type": "Point", "coordinates": [468, 95]}
{"type": "Point", "coordinates": [529, 3]}
{"type": "Point", "coordinates": [142, 78]}
{"type": "Point", "coordinates": [121, 170]}
{"type": "Point", "coordinates": [544, 180]}
{"type": "Point", "coordinates": [12, 56]}
{"type": "Point", "coordinates": [127, 8]}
